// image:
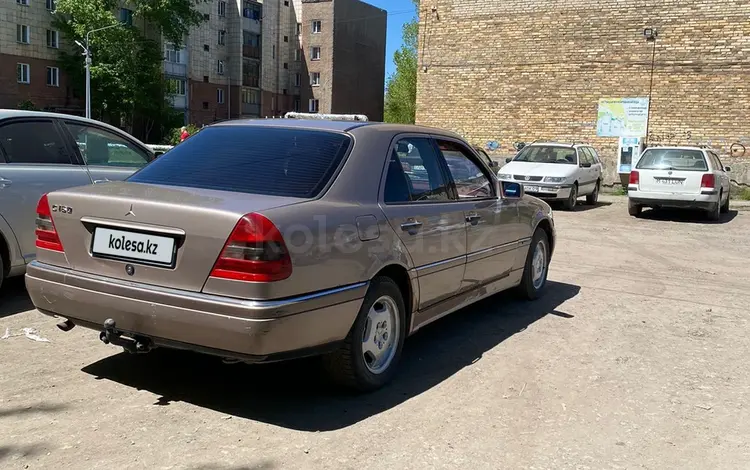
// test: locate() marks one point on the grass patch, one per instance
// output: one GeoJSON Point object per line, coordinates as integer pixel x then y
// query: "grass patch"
{"type": "Point", "coordinates": [743, 194]}
{"type": "Point", "coordinates": [619, 191]}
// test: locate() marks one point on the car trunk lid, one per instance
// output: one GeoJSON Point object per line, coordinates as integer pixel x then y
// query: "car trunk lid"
{"type": "Point", "coordinates": [158, 235]}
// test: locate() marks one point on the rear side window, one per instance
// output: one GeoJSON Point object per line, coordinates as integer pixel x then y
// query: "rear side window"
{"type": "Point", "coordinates": [248, 159]}
{"type": "Point", "coordinates": [672, 159]}
{"type": "Point", "coordinates": [33, 142]}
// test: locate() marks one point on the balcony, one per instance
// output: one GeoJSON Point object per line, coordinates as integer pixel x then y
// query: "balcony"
{"type": "Point", "coordinates": [251, 109]}
{"type": "Point", "coordinates": [251, 80]}
{"type": "Point", "coordinates": [252, 52]}
{"type": "Point", "coordinates": [251, 25]}
{"type": "Point", "coordinates": [175, 69]}
{"type": "Point", "coordinates": [178, 101]}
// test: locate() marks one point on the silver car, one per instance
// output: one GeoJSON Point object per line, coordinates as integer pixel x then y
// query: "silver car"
{"type": "Point", "coordinates": [43, 152]}
{"type": "Point", "coordinates": [268, 240]}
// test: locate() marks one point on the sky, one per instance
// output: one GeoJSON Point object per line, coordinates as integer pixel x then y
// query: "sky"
{"type": "Point", "coordinates": [399, 12]}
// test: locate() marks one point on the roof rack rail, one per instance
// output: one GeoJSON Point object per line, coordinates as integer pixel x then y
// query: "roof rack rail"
{"type": "Point", "coordinates": [326, 117]}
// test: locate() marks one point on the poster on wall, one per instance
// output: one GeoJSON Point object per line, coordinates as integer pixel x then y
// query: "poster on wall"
{"type": "Point", "coordinates": [622, 117]}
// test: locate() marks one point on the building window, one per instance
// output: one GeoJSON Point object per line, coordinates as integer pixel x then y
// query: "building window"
{"type": "Point", "coordinates": [286, 65]}
{"type": "Point", "coordinates": [317, 26]}
{"type": "Point", "coordinates": [206, 17]}
{"type": "Point", "coordinates": [251, 10]}
{"type": "Point", "coordinates": [126, 16]}
{"type": "Point", "coordinates": [315, 79]}
{"type": "Point", "coordinates": [297, 104]}
{"type": "Point", "coordinates": [53, 76]}
{"type": "Point", "coordinates": [205, 105]}
{"type": "Point", "coordinates": [171, 54]}
{"type": "Point", "coordinates": [286, 3]}
{"type": "Point", "coordinates": [273, 51]}
{"type": "Point", "coordinates": [176, 87]}
{"type": "Point", "coordinates": [250, 96]}
{"type": "Point", "coordinates": [297, 79]}
{"type": "Point", "coordinates": [23, 73]}
{"type": "Point", "coordinates": [315, 53]}
{"type": "Point", "coordinates": [297, 55]}
{"type": "Point", "coordinates": [220, 95]}
{"type": "Point", "coordinates": [299, 29]}
{"type": "Point", "coordinates": [206, 48]}
{"type": "Point", "coordinates": [205, 79]}
{"type": "Point", "coordinates": [222, 37]}
{"type": "Point", "coordinates": [286, 38]}
{"type": "Point", "coordinates": [222, 9]}
{"type": "Point", "coordinates": [53, 38]}
{"type": "Point", "coordinates": [314, 105]}
{"type": "Point", "coordinates": [283, 92]}
{"type": "Point", "coordinates": [23, 2]}
{"type": "Point", "coordinates": [22, 34]}
{"type": "Point", "coordinates": [50, 5]}
{"type": "Point", "coordinates": [220, 67]}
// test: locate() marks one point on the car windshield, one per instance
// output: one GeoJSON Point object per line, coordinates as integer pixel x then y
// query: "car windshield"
{"type": "Point", "coordinates": [547, 154]}
{"type": "Point", "coordinates": [249, 159]}
{"type": "Point", "coordinates": [672, 159]}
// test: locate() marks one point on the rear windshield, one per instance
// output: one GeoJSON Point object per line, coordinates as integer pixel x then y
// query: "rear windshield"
{"type": "Point", "coordinates": [249, 159]}
{"type": "Point", "coordinates": [547, 154]}
{"type": "Point", "coordinates": [672, 159]}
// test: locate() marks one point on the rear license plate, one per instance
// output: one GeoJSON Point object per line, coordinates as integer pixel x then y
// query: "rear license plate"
{"type": "Point", "coordinates": [133, 246]}
{"type": "Point", "coordinates": [531, 189]}
{"type": "Point", "coordinates": [670, 181]}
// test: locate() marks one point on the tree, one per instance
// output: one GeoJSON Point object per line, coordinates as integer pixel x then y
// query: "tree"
{"type": "Point", "coordinates": [401, 87]}
{"type": "Point", "coordinates": [127, 80]}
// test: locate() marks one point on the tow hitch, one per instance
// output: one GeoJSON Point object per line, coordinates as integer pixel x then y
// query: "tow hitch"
{"type": "Point", "coordinates": [137, 345]}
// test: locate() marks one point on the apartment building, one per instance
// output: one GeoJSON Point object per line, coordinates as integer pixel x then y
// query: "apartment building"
{"type": "Point", "coordinates": [29, 47]}
{"type": "Point", "coordinates": [247, 59]}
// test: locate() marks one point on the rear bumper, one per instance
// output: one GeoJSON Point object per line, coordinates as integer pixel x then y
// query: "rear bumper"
{"type": "Point", "coordinates": [245, 329]}
{"type": "Point", "coordinates": [697, 201]}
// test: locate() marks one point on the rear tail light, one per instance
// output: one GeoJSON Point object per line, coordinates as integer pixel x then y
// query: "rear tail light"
{"type": "Point", "coordinates": [708, 181]}
{"type": "Point", "coordinates": [46, 233]}
{"type": "Point", "coordinates": [255, 252]}
{"type": "Point", "coordinates": [635, 178]}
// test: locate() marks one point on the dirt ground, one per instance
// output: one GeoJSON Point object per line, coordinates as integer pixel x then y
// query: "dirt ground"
{"type": "Point", "coordinates": [636, 358]}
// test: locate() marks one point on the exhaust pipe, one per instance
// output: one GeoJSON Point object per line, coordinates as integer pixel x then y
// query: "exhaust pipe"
{"type": "Point", "coordinates": [66, 325]}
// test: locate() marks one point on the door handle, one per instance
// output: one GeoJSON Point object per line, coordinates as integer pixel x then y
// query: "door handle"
{"type": "Point", "coordinates": [473, 218]}
{"type": "Point", "coordinates": [411, 226]}
{"type": "Point", "coordinates": [4, 183]}
{"type": "Point", "coordinates": [105, 180]}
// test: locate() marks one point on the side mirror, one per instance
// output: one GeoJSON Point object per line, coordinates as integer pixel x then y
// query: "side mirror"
{"type": "Point", "coordinates": [727, 168]}
{"type": "Point", "coordinates": [511, 190]}
{"type": "Point", "coordinates": [494, 164]}
{"type": "Point", "coordinates": [585, 165]}
{"type": "Point", "coordinates": [509, 159]}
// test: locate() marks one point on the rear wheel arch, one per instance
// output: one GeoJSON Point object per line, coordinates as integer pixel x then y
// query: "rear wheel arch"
{"type": "Point", "coordinates": [400, 276]}
{"type": "Point", "coordinates": [5, 256]}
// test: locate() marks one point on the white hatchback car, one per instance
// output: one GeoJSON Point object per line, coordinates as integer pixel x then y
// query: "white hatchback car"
{"type": "Point", "coordinates": [680, 177]}
{"type": "Point", "coordinates": [556, 172]}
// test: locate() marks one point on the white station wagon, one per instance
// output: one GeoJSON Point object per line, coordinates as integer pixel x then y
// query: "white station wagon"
{"type": "Point", "coordinates": [679, 177]}
{"type": "Point", "coordinates": [556, 172]}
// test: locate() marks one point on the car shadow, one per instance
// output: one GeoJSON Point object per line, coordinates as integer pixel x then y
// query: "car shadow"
{"type": "Point", "coordinates": [14, 298]}
{"type": "Point", "coordinates": [297, 395]}
{"type": "Point", "coordinates": [581, 206]}
{"type": "Point", "coordinates": [685, 216]}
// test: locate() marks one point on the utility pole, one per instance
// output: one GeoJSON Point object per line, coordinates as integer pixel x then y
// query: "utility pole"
{"type": "Point", "coordinates": [87, 54]}
{"type": "Point", "coordinates": [650, 34]}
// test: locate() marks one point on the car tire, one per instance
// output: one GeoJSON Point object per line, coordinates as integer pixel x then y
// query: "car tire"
{"type": "Point", "coordinates": [536, 268]}
{"type": "Point", "coordinates": [634, 209]}
{"type": "Point", "coordinates": [593, 198]}
{"type": "Point", "coordinates": [570, 203]}
{"type": "Point", "coordinates": [714, 213]}
{"type": "Point", "coordinates": [725, 206]}
{"type": "Point", "coordinates": [365, 366]}
{"type": "Point", "coordinates": [2, 272]}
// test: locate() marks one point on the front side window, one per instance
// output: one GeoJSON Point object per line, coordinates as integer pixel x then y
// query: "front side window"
{"type": "Point", "coordinates": [672, 159]}
{"type": "Point", "coordinates": [104, 148]}
{"type": "Point", "coordinates": [547, 154]}
{"type": "Point", "coordinates": [35, 142]}
{"type": "Point", "coordinates": [469, 179]}
{"type": "Point", "coordinates": [584, 157]}
{"type": "Point", "coordinates": [414, 173]}
{"type": "Point", "coordinates": [257, 160]}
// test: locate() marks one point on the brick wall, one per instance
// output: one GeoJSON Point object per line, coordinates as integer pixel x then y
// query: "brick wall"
{"type": "Point", "coordinates": [42, 95]}
{"type": "Point", "coordinates": [521, 70]}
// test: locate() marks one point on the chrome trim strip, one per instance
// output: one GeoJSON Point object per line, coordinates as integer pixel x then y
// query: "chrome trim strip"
{"type": "Point", "coordinates": [133, 226]}
{"type": "Point", "coordinates": [440, 263]}
{"type": "Point", "coordinates": [215, 299]}
{"type": "Point", "coordinates": [503, 247]}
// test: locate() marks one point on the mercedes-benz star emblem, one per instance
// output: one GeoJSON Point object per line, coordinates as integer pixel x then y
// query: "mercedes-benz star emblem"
{"type": "Point", "coordinates": [130, 212]}
{"type": "Point", "coordinates": [130, 269]}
